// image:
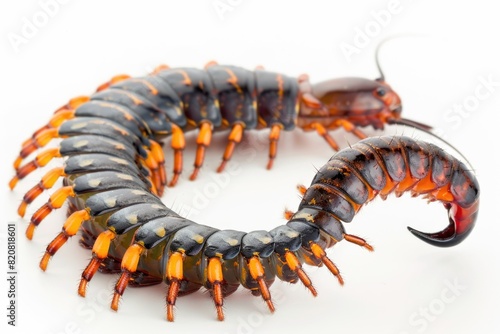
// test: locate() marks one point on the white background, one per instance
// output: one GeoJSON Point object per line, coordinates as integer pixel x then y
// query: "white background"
{"type": "Point", "coordinates": [403, 287]}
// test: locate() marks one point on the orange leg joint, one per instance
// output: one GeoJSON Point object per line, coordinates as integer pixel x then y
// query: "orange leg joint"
{"type": "Point", "coordinates": [257, 273]}
{"type": "Point", "coordinates": [130, 262]}
{"type": "Point", "coordinates": [99, 253]}
{"type": "Point", "coordinates": [203, 141]}
{"type": "Point", "coordinates": [70, 228]}
{"type": "Point", "coordinates": [175, 275]}
{"type": "Point", "coordinates": [215, 277]}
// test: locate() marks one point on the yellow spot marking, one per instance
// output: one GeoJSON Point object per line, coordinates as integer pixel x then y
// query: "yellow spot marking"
{"type": "Point", "coordinates": [94, 183]}
{"type": "Point", "coordinates": [124, 176]}
{"type": "Point", "coordinates": [266, 240]}
{"type": "Point", "coordinates": [85, 163]}
{"type": "Point", "coordinates": [119, 161]}
{"type": "Point", "coordinates": [138, 192]}
{"type": "Point", "coordinates": [157, 206]}
{"type": "Point", "coordinates": [294, 234]}
{"type": "Point", "coordinates": [80, 143]}
{"type": "Point", "coordinates": [232, 242]}
{"type": "Point", "coordinates": [120, 147]}
{"type": "Point", "coordinates": [198, 238]}
{"type": "Point", "coordinates": [110, 202]}
{"type": "Point", "coordinates": [132, 219]}
{"type": "Point", "coordinates": [78, 125]}
{"type": "Point", "coordinates": [306, 216]}
{"type": "Point", "coordinates": [312, 202]}
{"type": "Point", "coordinates": [160, 231]}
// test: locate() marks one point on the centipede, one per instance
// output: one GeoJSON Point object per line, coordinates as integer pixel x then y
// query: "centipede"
{"type": "Point", "coordinates": [113, 176]}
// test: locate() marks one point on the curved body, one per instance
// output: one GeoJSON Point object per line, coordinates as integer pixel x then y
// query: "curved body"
{"type": "Point", "coordinates": [113, 176]}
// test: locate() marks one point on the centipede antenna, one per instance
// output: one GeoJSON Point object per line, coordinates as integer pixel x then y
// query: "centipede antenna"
{"type": "Point", "coordinates": [379, 47]}
{"type": "Point", "coordinates": [377, 60]}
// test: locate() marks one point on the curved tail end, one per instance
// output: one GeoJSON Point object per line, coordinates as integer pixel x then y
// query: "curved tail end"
{"type": "Point", "coordinates": [462, 223]}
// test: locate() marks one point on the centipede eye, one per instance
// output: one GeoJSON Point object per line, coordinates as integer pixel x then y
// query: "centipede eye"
{"type": "Point", "coordinates": [380, 92]}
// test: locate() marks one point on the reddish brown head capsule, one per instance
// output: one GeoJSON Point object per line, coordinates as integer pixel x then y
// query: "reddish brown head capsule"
{"type": "Point", "coordinates": [362, 102]}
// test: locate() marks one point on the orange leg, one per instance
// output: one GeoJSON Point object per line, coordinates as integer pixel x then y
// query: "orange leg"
{"type": "Point", "coordinates": [257, 272]}
{"type": "Point", "coordinates": [358, 241]}
{"type": "Point", "coordinates": [129, 265]}
{"type": "Point", "coordinates": [157, 153]}
{"type": "Point", "coordinates": [41, 160]}
{"type": "Point", "coordinates": [233, 139]}
{"type": "Point", "coordinates": [321, 130]}
{"type": "Point", "coordinates": [47, 182]}
{"type": "Point", "coordinates": [61, 114]}
{"type": "Point", "coordinates": [302, 189]}
{"type": "Point", "coordinates": [99, 253]}
{"type": "Point", "coordinates": [215, 277]}
{"type": "Point", "coordinates": [39, 141]}
{"type": "Point", "coordinates": [295, 265]}
{"type": "Point", "coordinates": [274, 136]}
{"type": "Point", "coordinates": [55, 201]}
{"type": "Point", "coordinates": [42, 136]}
{"type": "Point", "coordinates": [178, 144]}
{"type": "Point", "coordinates": [287, 214]}
{"type": "Point", "coordinates": [174, 275]}
{"type": "Point", "coordinates": [70, 228]}
{"type": "Point", "coordinates": [319, 253]}
{"type": "Point", "coordinates": [203, 141]}
{"type": "Point", "coordinates": [350, 127]}
{"type": "Point", "coordinates": [152, 165]}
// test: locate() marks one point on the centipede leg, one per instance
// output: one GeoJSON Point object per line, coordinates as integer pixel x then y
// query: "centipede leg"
{"type": "Point", "coordinates": [47, 182]}
{"type": "Point", "coordinates": [55, 201]}
{"type": "Point", "coordinates": [321, 130]}
{"type": "Point", "coordinates": [233, 139]}
{"type": "Point", "coordinates": [178, 144]}
{"type": "Point", "coordinates": [294, 264]}
{"type": "Point", "coordinates": [203, 141]}
{"type": "Point", "coordinates": [302, 189]}
{"type": "Point", "coordinates": [274, 136]}
{"type": "Point", "coordinates": [129, 265]}
{"type": "Point", "coordinates": [358, 241]}
{"type": "Point", "coordinates": [99, 253]}
{"type": "Point", "coordinates": [70, 228]}
{"type": "Point", "coordinates": [350, 127]}
{"type": "Point", "coordinates": [157, 153]}
{"type": "Point", "coordinates": [153, 166]}
{"type": "Point", "coordinates": [41, 160]}
{"type": "Point", "coordinates": [60, 115]}
{"type": "Point", "coordinates": [174, 275]}
{"type": "Point", "coordinates": [215, 277]}
{"type": "Point", "coordinates": [257, 272]}
{"type": "Point", "coordinates": [320, 254]}
{"type": "Point", "coordinates": [288, 214]}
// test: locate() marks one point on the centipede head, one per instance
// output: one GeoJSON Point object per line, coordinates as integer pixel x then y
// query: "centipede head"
{"type": "Point", "coordinates": [361, 101]}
